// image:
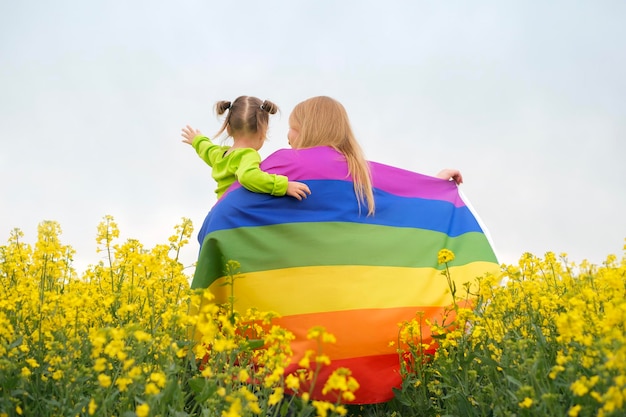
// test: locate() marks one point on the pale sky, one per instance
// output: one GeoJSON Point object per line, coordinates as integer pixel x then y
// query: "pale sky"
{"type": "Point", "coordinates": [526, 98]}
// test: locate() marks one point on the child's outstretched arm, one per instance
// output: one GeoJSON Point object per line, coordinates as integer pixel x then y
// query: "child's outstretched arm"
{"type": "Point", "coordinates": [189, 133]}
{"type": "Point", "coordinates": [297, 190]}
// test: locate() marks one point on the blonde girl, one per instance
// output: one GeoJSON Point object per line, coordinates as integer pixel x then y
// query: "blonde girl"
{"type": "Point", "coordinates": [323, 121]}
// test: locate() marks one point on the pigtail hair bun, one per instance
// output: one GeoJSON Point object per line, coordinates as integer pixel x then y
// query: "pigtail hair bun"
{"type": "Point", "coordinates": [269, 107]}
{"type": "Point", "coordinates": [222, 106]}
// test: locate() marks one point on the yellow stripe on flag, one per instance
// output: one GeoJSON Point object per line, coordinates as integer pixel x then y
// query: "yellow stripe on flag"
{"type": "Point", "coordinates": [316, 289]}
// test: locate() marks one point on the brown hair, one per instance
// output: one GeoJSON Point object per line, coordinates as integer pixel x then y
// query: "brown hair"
{"type": "Point", "coordinates": [323, 121]}
{"type": "Point", "coordinates": [245, 115]}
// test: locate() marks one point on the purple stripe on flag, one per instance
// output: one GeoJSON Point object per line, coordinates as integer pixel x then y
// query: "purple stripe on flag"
{"type": "Point", "coordinates": [311, 164]}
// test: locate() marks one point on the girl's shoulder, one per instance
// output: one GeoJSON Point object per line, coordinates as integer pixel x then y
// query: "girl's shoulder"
{"type": "Point", "coordinates": [318, 153]}
{"type": "Point", "coordinates": [238, 155]}
{"type": "Point", "coordinates": [309, 163]}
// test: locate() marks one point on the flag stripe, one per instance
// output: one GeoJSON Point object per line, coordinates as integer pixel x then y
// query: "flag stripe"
{"type": "Point", "coordinates": [353, 332]}
{"type": "Point", "coordinates": [292, 245]}
{"type": "Point", "coordinates": [325, 163]}
{"type": "Point", "coordinates": [391, 210]}
{"type": "Point", "coordinates": [377, 375]}
{"type": "Point", "coordinates": [338, 288]}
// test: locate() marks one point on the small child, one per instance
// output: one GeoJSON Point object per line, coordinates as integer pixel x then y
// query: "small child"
{"type": "Point", "coordinates": [246, 122]}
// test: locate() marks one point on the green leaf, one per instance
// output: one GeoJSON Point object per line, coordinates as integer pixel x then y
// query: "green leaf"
{"type": "Point", "coordinates": [255, 343]}
{"type": "Point", "coordinates": [203, 388]}
{"type": "Point", "coordinates": [513, 381]}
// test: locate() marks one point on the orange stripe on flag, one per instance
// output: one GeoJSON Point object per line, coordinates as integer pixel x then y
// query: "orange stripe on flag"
{"type": "Point", "coordinates": [353, 330]}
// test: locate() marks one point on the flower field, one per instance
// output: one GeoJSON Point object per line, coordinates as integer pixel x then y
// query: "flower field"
{"type": "Point", "coordinates": [128, 337]}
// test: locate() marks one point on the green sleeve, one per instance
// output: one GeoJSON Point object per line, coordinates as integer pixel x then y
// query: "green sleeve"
{"type": "Point", "coordinates": [250, 175]}
{"type": "Point", "coordinates": [207, 150]}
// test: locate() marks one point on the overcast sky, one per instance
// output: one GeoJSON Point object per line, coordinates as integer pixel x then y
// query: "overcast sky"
{"type": "Point", "coordinates": [526, 98]}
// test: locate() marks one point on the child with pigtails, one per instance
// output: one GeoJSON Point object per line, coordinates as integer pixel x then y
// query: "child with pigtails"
{"type": "Point", "coordinates": [246, 122]}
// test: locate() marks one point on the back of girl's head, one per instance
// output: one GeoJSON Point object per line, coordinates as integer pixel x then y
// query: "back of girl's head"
{"type": "Point", "coordinates": [246, 115]}
{"type": "Point", "coordinates": [323, 121]}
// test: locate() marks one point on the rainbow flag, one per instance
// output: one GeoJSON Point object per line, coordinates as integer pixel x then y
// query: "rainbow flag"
{"type": "Point", "coordinates": [323, 262]}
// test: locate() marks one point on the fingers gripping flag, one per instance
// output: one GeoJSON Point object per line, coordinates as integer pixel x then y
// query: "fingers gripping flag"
{"type": "Point", "coordinates": [324, 262]}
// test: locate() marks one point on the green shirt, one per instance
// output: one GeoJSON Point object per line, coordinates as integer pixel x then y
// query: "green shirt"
{"type": "Point", "coordinates": [241, 164]}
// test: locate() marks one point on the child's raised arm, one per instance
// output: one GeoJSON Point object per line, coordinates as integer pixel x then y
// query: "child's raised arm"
{"type": "Point", "coordinates": [189, 133]}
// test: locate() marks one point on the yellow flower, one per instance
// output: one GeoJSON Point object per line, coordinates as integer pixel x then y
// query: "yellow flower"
{"type": "Point", "coordinates": [134, 372]}
{"type": "Point", "coordinates": [123, 383]}
{"type": "Point", "coordinates": [274, 377]}
{"type": "Point", "coordinates": [181, 353]}
{"type": "Point", "coordinates": [32, 363]}
{"type": "Point", "coordinates": [100, 365]}
{"type": "Point", "coordinates": [249, 397]}
{"type": "Point", "coordinates": [322, 408]}
{"type": "Point", "coordinates": [128, 363]}
{"type": "Point", "coordinates": [152, 389]}
{"type": "Point", "coordinates": [275, 396]}
{"type": "Point", "coordinates": [329, 338]}
{"type": "Point", "coordinates": [445, 256]}
{"type": "Point", "coordinates": [92, 407]}
{"type": "Point", "coordinates": [115, 349]}
{"type": "Point", "coordinates": [292, 382]}
{"type": "Point", "coordinates": [243, 375]}
{"type": "Point", "coordinates": [341, 410]}
{"type": "Point", "coordinates": [341, 380]}
{"type": "Point", "coordinates": [526, 403]}
{"type": "Point", "coordinates": [18, 410]}
{"type": "Point", "coordinates": [104, 380]}
{"type": "Point", "coordinates": [315, 332]}
{"type": "Point", "coordinates": [348, 396]}
{"type": "Point", "coordinates": [324, 359]}
{"type": "Point", "coordinates": [573, 412]}
{"type": "Point", "coordinates": [582, 385]}
{"type": "Point", "coordinates": [305, 362]}
{"type": "Point", "coordinates": [25, 372]}
{"type": "Point", "coordinates": [234, 410]}
{"type": "Point", "coordinates": [158, 378]}
{"type": "Point", "coordinates": [254, 407]}
{"type": "Point", "coordinates": [222, 345]}
{"type": "Point", "coordinates": [142, 410]}
{"type": "Point", "coordinates": [556, 369]}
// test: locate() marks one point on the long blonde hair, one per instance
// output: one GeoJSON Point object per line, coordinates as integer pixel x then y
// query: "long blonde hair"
{"type": "Point", "coordinates": [323, 121]}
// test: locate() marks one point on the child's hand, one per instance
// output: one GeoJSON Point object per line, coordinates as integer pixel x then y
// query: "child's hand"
{"type": "Point", "coordinates": [451, 174]}
{"type": "Point", "coordinates": [297, 190]}
{"type": "Point", "coordinates": [189, 133]}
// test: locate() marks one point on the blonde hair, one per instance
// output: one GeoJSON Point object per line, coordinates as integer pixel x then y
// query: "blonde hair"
{"type": "Point", "coordinates": [323, 121]}
{"type": "Point", "coordinates": [246, 115]}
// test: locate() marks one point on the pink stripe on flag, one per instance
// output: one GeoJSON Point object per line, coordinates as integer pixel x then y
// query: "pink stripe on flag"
{"type": "Point", "coordinates": [312, 164]}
